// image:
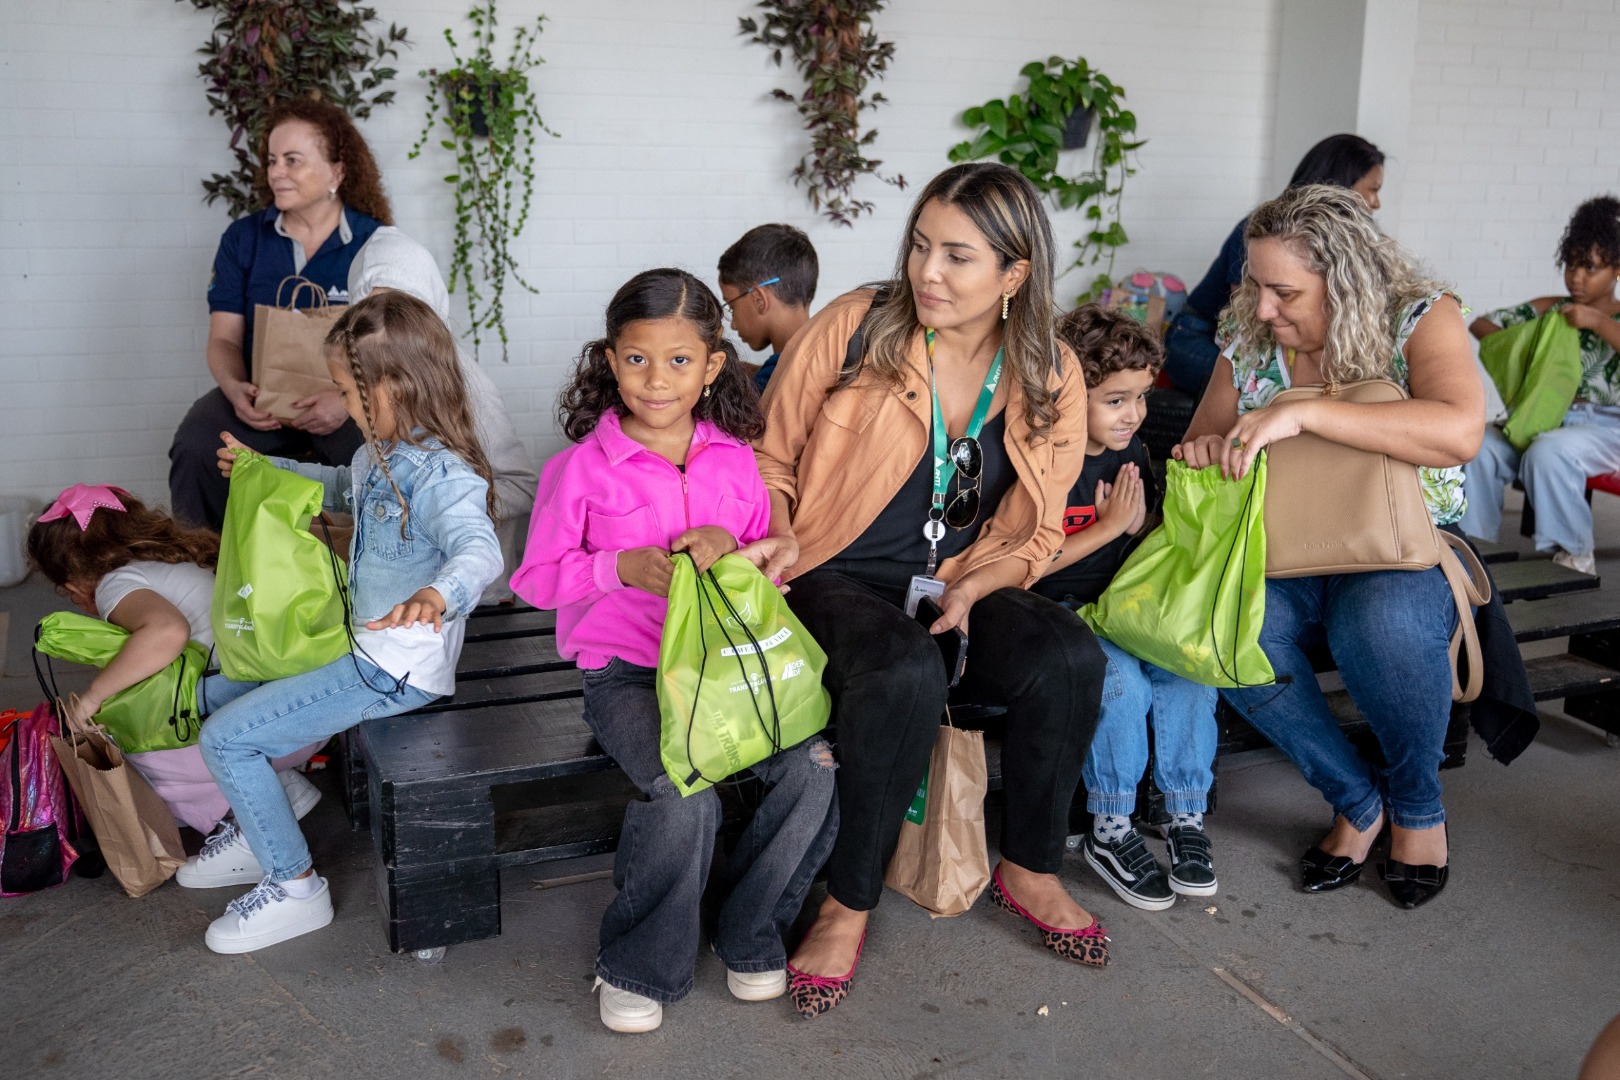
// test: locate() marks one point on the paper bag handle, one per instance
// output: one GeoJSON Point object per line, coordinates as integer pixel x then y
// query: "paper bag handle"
{"type": "Point", "coordinates": [303, 283]}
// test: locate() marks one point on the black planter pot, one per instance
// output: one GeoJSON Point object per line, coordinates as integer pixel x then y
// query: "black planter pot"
{"type": "Point", "coordinates": [1077, 128]}
{"type": "Point", "coordinates": [483, 96]}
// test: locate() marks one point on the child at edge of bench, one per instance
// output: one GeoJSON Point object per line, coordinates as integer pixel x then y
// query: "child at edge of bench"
{"type": "Point", "coordinates": [424, 548]}
{"type": "Point", "coordinates": [135, 567]}
{"type": "Point", "coordinates": [767, 280]}
{"type": "Point", "coordinates": [660, 412]}
{"type": "Point", "coordinates": [1108, 508]}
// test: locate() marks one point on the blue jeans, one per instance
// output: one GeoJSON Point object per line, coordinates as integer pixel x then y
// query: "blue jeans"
{"type": "Point", "coordinates": [254, 722]}
{"type": "Point", "coordinates": [650, 931]}
{"type": "Point", "coordinates": [1389, 631]}
{"type": "Point", "coordinates": [1554, 468]}
{"type": "Point", "coordinates": [1182, 713]}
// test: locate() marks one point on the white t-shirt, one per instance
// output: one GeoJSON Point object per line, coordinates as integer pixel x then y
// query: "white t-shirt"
{"type": "Point", "coordinates": [187, 586]}
{"type": "Point", "coordinates": [423, 657]}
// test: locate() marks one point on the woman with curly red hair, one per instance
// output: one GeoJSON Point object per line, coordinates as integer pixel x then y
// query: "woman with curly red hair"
{"type": "Point", "coordinates": [324, 200]}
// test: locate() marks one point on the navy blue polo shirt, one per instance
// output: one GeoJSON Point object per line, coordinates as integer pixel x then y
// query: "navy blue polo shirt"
{"type": "Point", "coordinates": [254, 258]}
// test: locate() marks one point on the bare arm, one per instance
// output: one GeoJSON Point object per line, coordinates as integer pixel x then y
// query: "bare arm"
{"type": "Point", "coordinates": [225, 363]}
{"type": "Point", "coordinates": [1483, 327]}
{"type": "Point", "coordinates": [1442, 424]}
{"type": "Point", "coordinates": [1217, 411]}
{"type": "Point", "coordinates": [158, 633]}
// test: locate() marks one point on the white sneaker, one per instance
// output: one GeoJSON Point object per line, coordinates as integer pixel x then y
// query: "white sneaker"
{"type": "Point", "coordinates": [302, 794]}
{"type": "Point", "coordinates": [224, 860]}
{"type": "Point", "coordinates": [266, 915]}
{"type": "Point", "coordinates": [756, 985]}
{"type": "Point", "coordinates": [1586, 564]}
{"type": "Point", "coordinates": [623, 1011]}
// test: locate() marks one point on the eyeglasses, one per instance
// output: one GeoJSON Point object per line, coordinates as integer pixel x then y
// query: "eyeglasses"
{"type": "Point", "coordinates": [727, 304]}
{"type": "Point", "coordinates": [963, 509]}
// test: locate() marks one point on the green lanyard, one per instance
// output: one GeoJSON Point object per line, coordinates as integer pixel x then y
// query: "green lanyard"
{"type": "Point", "coordinates": [944, 467]}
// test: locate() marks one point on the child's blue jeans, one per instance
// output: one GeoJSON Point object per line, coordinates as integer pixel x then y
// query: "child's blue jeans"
{"type": "Point", "coordinates": [1136, 693]}
{"type": "Point", "coordinates": [650, 932]}
{"type": "Point", "coordinates": [254, 722]}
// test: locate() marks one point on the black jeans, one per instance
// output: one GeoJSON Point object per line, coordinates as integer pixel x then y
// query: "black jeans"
{"type": "Point", "coordinates": [889, 696]}
{"type": "Point", "coordinates": [196, 490]}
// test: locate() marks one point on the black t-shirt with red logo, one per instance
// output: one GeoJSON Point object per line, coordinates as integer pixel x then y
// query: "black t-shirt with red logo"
{"type": "Point", "coordinates": [1085, 580]}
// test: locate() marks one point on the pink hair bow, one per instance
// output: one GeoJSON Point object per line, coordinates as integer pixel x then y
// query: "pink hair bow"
{"type": "Point", "coordinates": [82, 500]}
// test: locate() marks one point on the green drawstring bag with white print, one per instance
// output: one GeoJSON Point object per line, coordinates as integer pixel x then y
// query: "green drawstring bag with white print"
{"type": "Point", "coordinates": [279, 592]}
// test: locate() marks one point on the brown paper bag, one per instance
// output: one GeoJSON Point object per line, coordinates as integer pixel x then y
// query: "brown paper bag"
{"type": "Point", "coordinates": [289, 349]}
{"type": "Point", "coordinates": [943, 860]}
{"type": "Point", "coordinates": [136, 831]}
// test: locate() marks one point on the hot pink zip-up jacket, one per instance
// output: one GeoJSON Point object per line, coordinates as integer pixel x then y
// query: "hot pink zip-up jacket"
{"type": "Point", "coordinates": [609, 494]}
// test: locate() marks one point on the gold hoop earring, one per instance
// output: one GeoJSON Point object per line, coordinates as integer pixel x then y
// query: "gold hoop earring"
{"type": "Point", "coordinates": [1006, 305]}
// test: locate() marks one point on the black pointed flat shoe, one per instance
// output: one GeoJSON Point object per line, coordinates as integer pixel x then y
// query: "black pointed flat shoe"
{"type": "Point", "coordinates": [1321, 872]}
{"type": "Point", "coordinates": [1413, 886]}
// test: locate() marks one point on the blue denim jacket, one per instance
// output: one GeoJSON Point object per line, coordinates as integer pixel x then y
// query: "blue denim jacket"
{"type": "Point", "coordinates": [448, 543]}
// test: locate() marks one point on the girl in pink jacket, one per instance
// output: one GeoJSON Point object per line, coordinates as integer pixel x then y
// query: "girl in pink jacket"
{"type": "Point", "coordinates": [660, 412]}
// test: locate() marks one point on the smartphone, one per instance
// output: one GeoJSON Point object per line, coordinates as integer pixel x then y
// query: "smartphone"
{"type": "Point", "coordinates": [952, 643]}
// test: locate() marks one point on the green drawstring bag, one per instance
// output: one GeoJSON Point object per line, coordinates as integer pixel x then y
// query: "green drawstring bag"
{"type": "Point", "coordinates": [279, 593]}
{"type": "Point", "coordinates": [1536, 367]}
{"type": "Point", "coordinates": [739, 677]}
{"type": "Point", "coordinates": [1192, 597]}
{"type": "Point", "coordinates": [157, 713]}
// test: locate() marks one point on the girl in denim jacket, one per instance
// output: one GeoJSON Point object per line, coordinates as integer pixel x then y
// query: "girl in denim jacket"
{"type": "Point", "coordinates": [424, 548]}
{"type": "Point", "coordinates": [659, 412]}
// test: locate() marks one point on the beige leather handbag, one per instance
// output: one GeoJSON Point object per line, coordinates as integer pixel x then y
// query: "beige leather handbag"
{"type": "Point", "coordinates": [1334, 509]}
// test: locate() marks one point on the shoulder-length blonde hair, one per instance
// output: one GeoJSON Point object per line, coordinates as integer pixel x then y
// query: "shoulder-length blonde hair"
{"type": "Point", "coordinates": [1370, 279]}
{"type": "Point", "coordinates": [1006, 208]}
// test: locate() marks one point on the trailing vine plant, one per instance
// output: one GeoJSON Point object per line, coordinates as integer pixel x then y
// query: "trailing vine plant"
{"type": "Point", "coordinates": [1026, 132]}
{"type": "Point", "coordinates": [838, 53]}
{"type": "Point", "coordinates": [265, 52]}
{"type": "Point", "coordinates": [492, 117]}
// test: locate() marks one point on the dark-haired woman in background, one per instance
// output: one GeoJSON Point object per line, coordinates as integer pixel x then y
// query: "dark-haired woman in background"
{"type": "Point", "coordinates": [1555, 466]}
{"type": "Point", "coordinates": [325, 199]}
{"type": "Point", "coordinates": [1189, 343]}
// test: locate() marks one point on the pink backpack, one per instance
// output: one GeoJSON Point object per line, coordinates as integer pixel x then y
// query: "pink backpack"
{"type": "Point", "coordinates": [36, 808]}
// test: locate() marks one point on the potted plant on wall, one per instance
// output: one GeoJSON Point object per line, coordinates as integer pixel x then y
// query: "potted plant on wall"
{"type": "Point", "coordinates": [492, 118]}
{"type": "Point", "coordinates": [265, 52]}
{"type": "Point", "coordinates": [838, 53]}
{"type": "Point", "coordinates": [1055, 112]}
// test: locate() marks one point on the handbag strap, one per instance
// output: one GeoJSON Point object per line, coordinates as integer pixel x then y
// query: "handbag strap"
{"type": "Point", "coordinates": [1470, 588]}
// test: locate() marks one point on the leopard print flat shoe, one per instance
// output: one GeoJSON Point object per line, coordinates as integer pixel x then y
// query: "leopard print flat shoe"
{"type": "Point", "coordinates": [813, 995]}
{"type": "Point", "coordinates": [1088, 945]}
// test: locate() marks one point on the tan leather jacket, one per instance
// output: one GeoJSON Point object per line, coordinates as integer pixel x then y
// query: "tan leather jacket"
{"type": "Point", "coordinates": [840, 457]}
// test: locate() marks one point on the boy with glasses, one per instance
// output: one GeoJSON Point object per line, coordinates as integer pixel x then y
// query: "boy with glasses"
{"type": "Point", "coordinates": [767, 280]}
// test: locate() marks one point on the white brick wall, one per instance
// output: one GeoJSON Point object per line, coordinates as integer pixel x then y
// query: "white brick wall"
{"type": "Point", "coordinates": [1515, 120]}
{"type": "Point", "coordinates": [670, 149]}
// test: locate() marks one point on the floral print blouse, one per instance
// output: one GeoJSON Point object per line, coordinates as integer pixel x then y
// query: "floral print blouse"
{"type": "Point", "coordinates": [1258, 378]}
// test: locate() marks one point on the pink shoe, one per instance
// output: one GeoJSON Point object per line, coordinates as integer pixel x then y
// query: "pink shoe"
{"type": "Point", "coordinates": [1088, 945]}
{"type": "Point", "coordinates": [813, 995]}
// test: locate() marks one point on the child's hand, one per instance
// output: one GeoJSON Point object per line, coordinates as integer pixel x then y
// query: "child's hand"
{"type": "Point", "coordinates": [705, 544]}
{"type": "Point", "coordinates": [425, 606]}
{"type": "Point", "coordinates": [1584, 316]}
{"type": "Point", "coordinates": [227, 453]}
{"type": "Point", "coordinates": [1123, 504]}
{"type": "Point", "coordinates": [1138, 520]}
{"type": "Point", "coordinates": [646, 568]}
{"type": "Point", "coordinates": [774, 555]}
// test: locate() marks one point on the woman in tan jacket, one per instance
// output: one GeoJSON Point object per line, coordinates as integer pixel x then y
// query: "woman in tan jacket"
{"type": "Point", "coordinates": [935, 456]}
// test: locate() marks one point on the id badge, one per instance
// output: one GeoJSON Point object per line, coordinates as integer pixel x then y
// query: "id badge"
{"type": "Point", "coordinates": [922, 585]}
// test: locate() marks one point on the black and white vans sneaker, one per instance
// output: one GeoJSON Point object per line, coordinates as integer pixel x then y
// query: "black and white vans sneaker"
{"type": "Point", "coordinates": [1131, 871]}
{"type": "Point", "coordinates": [1192, 865]}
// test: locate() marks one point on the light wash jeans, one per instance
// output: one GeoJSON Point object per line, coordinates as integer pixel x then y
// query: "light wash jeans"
{"type": "Point", "coordinates": [1554, 469]}
{"type": "Point", "coordinates": [252, 723]}
{"type": "Point", "coordinates": [1390, 633]}
{"type": "Point", "coordinates": [1182, 713]}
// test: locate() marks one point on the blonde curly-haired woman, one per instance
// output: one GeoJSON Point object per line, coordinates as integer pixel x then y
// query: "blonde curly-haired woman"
{"type": "Point", "coordinates": [1327, 297]}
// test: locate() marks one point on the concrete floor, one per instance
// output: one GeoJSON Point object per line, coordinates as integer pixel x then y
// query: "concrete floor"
{"type": "Point", "coordinates": [1511, 973]}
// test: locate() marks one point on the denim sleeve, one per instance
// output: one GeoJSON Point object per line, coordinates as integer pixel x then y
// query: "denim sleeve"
{"type": "Point", "coordinates": [448, 508]}
{"type": "Point", "coordinates": [337, 486]}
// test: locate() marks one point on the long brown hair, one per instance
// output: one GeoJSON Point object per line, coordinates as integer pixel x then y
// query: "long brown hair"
{"type": "Point", "coordinates": [361, 188]}
{"type": "Point", "coordinates": [63, 553]}
{"type": "Point", "coordinates": [394, 341]}
{"type": "Point", "coordinates": [1006, 209]}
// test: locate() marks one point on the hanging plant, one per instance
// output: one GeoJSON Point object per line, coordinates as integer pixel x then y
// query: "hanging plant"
{"type": "Point", "coordinates": [492, 118]}
{"type": "Point", "coordinates": [838, 53]}
{"type": "Point", "coordinates": [266, 52]}
{"type": "Point", "coordinates": [1027, 131]}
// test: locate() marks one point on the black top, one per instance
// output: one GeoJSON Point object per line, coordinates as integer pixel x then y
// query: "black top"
{"type": "Point", "coordinates": [1084, 581]}
{"type": "Point", "coordinates": [1211, 294]}
{"type": "Point", "coordinates": [893, 548]}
